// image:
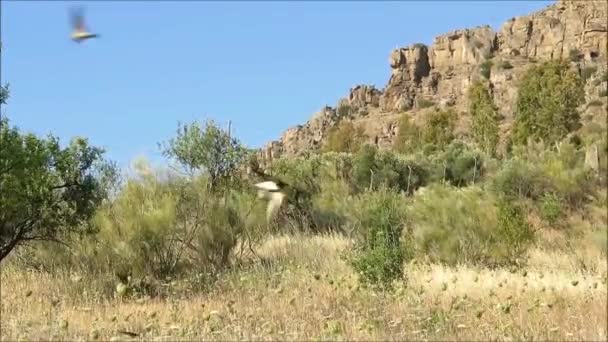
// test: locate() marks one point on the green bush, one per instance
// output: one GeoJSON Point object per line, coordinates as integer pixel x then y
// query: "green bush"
{"type": "Point", "coordinates": [47, 190]}
{"type": "Point", "coordinates": [160, 227]}
{"type": "Point", "coordinates": [535, 170]}
{"type": "Point", "coordinates": [373, 169]}
{"type": "Point", "coordinates": [210, 150]}
{"type": "Point", "coordinates": [467, 226]}
{"type": "Point", "coordinates": [485, 69]}
{"type": "Point", "coordinates": [344, 110]}
{"type": "Point", "coordinates": [519, 179]}
{"type": "Point", "coordinates": [463, 166]}
{"type": "Point", "coordinates": [379, 254]}
{"type": "Point", "coordinates": [550, 208]}
{"type": "Point", "coordinates": [438, 129]}
{"type": "Point", "coordinates": [408, 137]}
{"type": "Point", "coordinates": [485, 117]}
{"type": "Point", "coordinates": [575, 55]}
{"type": "Point", "coordinates": [547, 101]}
{"type": "Point", "coordinates": [424, 103]}
{"type": "Point", "coordinates": [345, 137]}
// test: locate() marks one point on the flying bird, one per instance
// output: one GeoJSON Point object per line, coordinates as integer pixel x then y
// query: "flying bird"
{"type": "Point", "coordinates": [80, 31]}
{"type": "Point", "coordinates": [271, 192]}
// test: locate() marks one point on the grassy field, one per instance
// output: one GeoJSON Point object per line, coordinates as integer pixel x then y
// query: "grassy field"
{"type": "Point", "coordinates": [304, 291]}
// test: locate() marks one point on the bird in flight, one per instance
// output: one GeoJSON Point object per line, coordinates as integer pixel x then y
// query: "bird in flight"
{"type": "Point", "coordinates": [80, 31]}
{"type": "Point", "coordinates": [271, 192]}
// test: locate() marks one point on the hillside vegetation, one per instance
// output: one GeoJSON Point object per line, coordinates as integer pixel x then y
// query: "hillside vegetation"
{"type": "Point", "coordinates": [438, 238]}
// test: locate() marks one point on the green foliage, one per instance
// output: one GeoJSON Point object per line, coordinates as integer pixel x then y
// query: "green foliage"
{"type": "Point", "coordinates": [550, 208]}
{"type": "Point", "coordinates": [345, 137]}
{"type": "Point", "coordinates": [547, 102]}
{"type": "Point", "coordinates": [603, 93]}
{"type": "Point", "coordinates": [424, 103]}
{"type": "Point", "coordinates": [373, 170]}
{"type": "Point", "coordinates": [604, 77]}
{"type": "Point", "coordinates": [485, 68]}
{"type": "Point", "coordinates": [210, 149]}
{"type": "Point", "coordinates": [378, 252]}
{"type": "Point", "coordinates": [535, 170]}
{"type": "Point", "coordinates": [519, 179]}
{"type": "Point", "coordinates": [344, 110]}
{"type": "Point", "coordinates": [438, 130]}
{"type": "Point", "coordinates": [575, 55]}
{"type": "Point", "coordinates": [485, 117]}
{"type": "Point", "coordinates": [462, 165]}
{"type": "Point", "coordinates": [408, 137]}
{"type": "Point", "coordinates": [159, 227]}
{"type": "Point", "coordinates": [47, 189]}
{"type": "Point", "coordinates": [587, 72]}
{"type": "Point", "coordinates": [456, 226]}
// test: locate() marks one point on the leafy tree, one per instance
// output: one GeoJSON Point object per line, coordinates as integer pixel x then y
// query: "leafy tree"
{"type": "Point", "coordinates": [438, 129]}
{"type": "Point", "coordinates": [408, 136]}
{"type": "Point", "coordinates": [485, 118]}
{"type": "Point", "coordinates": [345, 137]}
{"type": "Point", "coordinates": [547, 102]}
{"type": "Point", "coordinates": [46, 190]}
{"type": "Point", "coordinates": [210, 149]}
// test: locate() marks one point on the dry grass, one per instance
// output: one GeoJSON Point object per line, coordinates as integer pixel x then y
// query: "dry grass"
{"type": "Point", "coordinates": [304, 291]}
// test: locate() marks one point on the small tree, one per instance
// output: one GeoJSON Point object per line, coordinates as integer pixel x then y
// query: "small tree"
{"type": "Point", "coordinates": [345, 137]}
{"type": "Point", "coordinates": [46, 190]}
{"type": "Point", "coordinates": [439, 128]}
{"type": "Point", "coordinates": [210, 149]}
{"type": "Point", "coordinates": [547, 102]}
{"type": "Point", "coordinates": [408, 136]}
{"type": "Point", "coordinates": [485, 118]}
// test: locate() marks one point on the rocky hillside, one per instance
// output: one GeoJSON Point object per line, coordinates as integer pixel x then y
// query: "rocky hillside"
{"type": "Point", "coordinates": [424, 78]}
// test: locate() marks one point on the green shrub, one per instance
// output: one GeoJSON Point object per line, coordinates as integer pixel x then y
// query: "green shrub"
{"type": "Point", "coordinates": [519, 179]}
{"type": "Point", "coordinates": [160, 227]}
{"type": "Point", "coordinates": [209, 149]}
{"type": "Point", "coordinates": [424, 103]}
{"type": "Point", "coordinates": [463, 166]}
{"type": "Point", "coordinates": [575, 55]}
{"type": "Point", "coordinates": [485, 117]}
{"type": "Point", "coordinates": [379, 254]}
{"type": "Point", "coordinates": [344, 110]}
{"type": "Point", "coordinates": [485, 69]}
{"type": "Point", "coordinates": [345, 137]}
{"type": "Point", "coordinates": [438, 129]}
{"type": "Point", "coordinates": [550, 208]}
{"type": "Point", "coordinates": [408, 137]}
{"type": "Point", "coordinates": [535, 170]}
{"type": "Point", "coordinates": [546, 107]}
{"type": "Point", "coordinates": [373, 169]}
{"type": "Point", "coordinates": [467, 226]}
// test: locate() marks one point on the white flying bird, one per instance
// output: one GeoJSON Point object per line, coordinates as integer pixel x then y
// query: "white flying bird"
{"type": "Point", "coordinates": [271, 192]}
{"type": "Point", "coordinates": [80, 31]}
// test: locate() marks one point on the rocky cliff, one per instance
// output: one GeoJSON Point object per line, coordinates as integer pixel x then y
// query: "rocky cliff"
{"type": "Point", "coordinates": [440, 75]}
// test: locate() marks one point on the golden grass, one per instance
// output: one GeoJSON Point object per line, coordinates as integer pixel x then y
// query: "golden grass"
{"type": "Point", "coordinates": [304, 291]}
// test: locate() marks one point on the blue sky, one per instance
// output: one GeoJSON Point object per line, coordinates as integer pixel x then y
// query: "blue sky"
{"type": "Point", "coordinates": [265, 66]}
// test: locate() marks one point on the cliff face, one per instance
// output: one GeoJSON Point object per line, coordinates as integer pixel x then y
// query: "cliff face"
{"type": "Point", "coordinates": [441, 74]}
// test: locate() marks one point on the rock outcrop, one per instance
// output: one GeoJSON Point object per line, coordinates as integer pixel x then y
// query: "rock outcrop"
{"type": "Point", "coordinates": [441, 74]}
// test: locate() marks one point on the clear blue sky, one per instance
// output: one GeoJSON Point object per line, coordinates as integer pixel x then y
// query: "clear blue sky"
{"type": "Point", "coordinates": [264, 65]}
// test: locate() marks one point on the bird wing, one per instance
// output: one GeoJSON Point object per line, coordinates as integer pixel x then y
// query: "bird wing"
{"type": "Point", "coordinates": [273, 205]}
{"type": "Point", "coordinates": [268, 186]}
